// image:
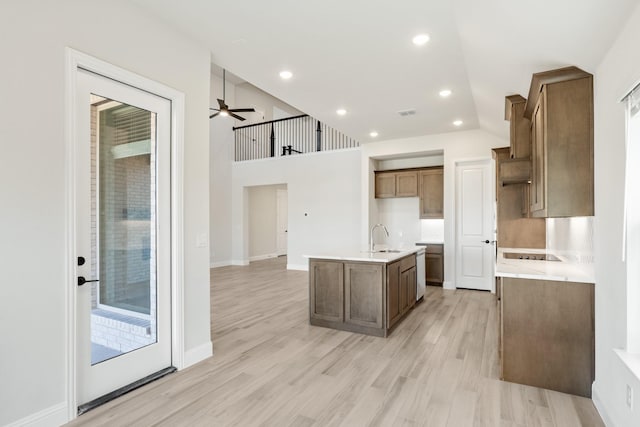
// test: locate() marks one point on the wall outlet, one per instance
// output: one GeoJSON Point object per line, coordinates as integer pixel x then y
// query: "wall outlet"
{"type": "Point", "coordinates": [629, 397]}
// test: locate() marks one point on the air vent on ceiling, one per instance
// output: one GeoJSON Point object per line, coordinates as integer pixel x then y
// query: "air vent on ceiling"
{"type": "Point", "coordinates": [405, 113]}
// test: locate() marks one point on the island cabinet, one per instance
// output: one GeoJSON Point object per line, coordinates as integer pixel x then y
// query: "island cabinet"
{"type": "Point", "coordinates": [358, 296]}
{"type": "Point", "coordinates": [560, 107]}
{"type": "Point", "coordinates": [547, 334]}
{"type": "Point", "coordinates": [401, 288]}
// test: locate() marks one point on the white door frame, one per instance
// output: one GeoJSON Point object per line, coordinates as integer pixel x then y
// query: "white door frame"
{"type": "Point", "coordinates": [491, 196]}
{"type": "Point", "coordinates": [279, 214]}
{"type": "Point", "coordinates": [75, 60]}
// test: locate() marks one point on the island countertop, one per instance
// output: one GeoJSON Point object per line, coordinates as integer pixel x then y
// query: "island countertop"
{"type": "Point", "coordinates": [364, 255]}
{"type": "Point", "coordinates": [563, 271]}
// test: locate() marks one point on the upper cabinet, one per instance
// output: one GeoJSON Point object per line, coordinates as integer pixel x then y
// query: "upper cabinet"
{"type": "Point", "coordinates": [396, 184]}
{"type": "Point", "coordinates": [425, 183]}
{"type": "Point", "coordinates": [560, 106]}
{"type": "Point", "coordinates": [431, 187]}
{"type": "Point", "coordinates": [519, 127]}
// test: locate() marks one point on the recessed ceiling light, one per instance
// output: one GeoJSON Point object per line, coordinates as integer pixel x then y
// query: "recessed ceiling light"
{"type": "Point", "coordinates": [457, 123]}
{"type": "Point", "coordinates": [286, 75]}
{"type": "Point", "coordinates": [341, 112]}
{"type": "Point", "coordinates": [373, 134]}
{"type": "Point", "coordinates": [420, 39]}
{"type": "Point", "coordinates": [445, 93]}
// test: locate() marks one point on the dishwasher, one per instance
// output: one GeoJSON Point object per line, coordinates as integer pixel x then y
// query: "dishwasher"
{"type": "Point", "coordinates": [421, 281]}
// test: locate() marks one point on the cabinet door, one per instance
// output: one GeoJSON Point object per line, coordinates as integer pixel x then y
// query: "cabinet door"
{"type": "Point", "coordinates": [538, 158]}
{"type": "Point", "coordinates": [326, 293]}
{"type": "Point", "coordinates": [431, 187]}
{"type": "Point", "coordinates": [404, 291]}
{"type": "Point", "coordinates": [520, 134]}
{"type": "Point", "coordinates": [434, 268]}
{"type": "Point", "coordinates": [393, 293]}
{"type": "Point", "coordinates": [385, 185]}
{"type": "Point", "coordinates": [412, 291]}
{"type": "Point", "coordinates": [407, 184]}
{"type": "Point", "coordinates": [363, 294]}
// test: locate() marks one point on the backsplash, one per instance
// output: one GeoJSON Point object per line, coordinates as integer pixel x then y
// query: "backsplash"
{"type": "Point", "coordinates": [400, 216]}
{"type": "Point", "coordinates": [432, 230]}
{"type": "Point", "coordinates": [571, 238]}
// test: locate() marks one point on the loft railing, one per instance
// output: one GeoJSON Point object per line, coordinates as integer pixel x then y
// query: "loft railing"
{"type": "Point", "coordinates": [289, 136]}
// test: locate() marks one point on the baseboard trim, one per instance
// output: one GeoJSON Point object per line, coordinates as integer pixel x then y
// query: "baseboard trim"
{"type": "Point", "coordinates": [602, 410]}
{"type": "Point", "coordinates": [52, 416]}
{"type": "Point", "coordinates": [448, 285]}
{"type": "Point", "coordinates": [219, 264]}
{"type": "Point", "coordinates": [198, 354]}
{"type": "Point", "coordinates": [239, 262]}
{"type": "Point", "coordinates": [262, 257]}
{"type": "Point", "coordinates": [299, 267]}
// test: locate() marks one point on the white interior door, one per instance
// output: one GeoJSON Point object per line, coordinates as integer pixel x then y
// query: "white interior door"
{"type": "Point", "coordinates": [282, 220]}
{"type": "Point", "coordinates": [474, 231]}
{"type": "Point", "coordinates": [123, 235]}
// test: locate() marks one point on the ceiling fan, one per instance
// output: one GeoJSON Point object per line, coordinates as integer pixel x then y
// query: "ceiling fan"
{"type": "Point", "coordinates": [224, 109]}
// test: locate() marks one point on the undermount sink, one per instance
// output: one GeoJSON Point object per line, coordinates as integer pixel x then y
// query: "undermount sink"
{"type": "Point", "coordinates": [531, 257]}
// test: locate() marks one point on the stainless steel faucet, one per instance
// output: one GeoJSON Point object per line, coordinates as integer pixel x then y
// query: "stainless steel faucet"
{"type": "Point", "coordinates": [372, 229]}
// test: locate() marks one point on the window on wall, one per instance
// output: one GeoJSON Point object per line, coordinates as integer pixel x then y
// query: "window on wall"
{"type": "Point", "coordinates": [632, 212]}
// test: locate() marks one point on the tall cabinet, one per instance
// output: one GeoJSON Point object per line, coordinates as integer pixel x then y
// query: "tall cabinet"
{"type": "Point", "coordinates": [560, 107]}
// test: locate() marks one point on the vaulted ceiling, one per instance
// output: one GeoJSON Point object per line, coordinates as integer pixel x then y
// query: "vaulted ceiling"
{"type": "Point", "coordinates": [358, 54]}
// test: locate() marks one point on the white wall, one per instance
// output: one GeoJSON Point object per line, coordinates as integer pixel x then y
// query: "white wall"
{"type": "Point", "coordinates": [247, 95]}
{"type": "Point", "coordinates": [324, 193]}
{"type": "Point", "coordinates": [614, 77]}
{"type": "Point", "coordinates": [263, 226]}
{"type": "Point", "coordinates": [33, 37]}
{"type": "Point", "coordinates": [221, 153]}
{"type": "Point", "coordinates": [457, 146]}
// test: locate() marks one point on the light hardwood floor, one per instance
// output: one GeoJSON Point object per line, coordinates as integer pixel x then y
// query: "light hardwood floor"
{"type": "Point", "coordinates": [271, 368]}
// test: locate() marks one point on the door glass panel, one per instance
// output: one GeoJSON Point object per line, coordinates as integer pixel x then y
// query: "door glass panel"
{"type": "Point", "coordinates": [123, 224]}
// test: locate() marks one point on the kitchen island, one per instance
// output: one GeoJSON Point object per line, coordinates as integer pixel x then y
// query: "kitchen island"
{"type": "Point", "coordinates": [362, 291]}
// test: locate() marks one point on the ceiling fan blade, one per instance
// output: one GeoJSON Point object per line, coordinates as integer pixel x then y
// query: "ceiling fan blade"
{"type": "Point", "coordinates": [243, 110]}
{"type": "Point", "coordinates": [222, 105]}
{"type": "Point", "coordinates": [213, 115]}
{"type": "Point", "coordinates": [213, 109]}
{"type": "Point", "coordinates": [235, 116]}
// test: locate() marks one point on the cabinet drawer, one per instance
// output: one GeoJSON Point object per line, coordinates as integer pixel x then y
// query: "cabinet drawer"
{"type": "Point", "coordinates": [434, 249]}
{"type": "Point", "coordinates": [407, 262]}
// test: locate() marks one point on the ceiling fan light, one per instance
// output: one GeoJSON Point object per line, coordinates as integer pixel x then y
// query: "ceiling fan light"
{"type": "Point", "coordinates": [224, 113]}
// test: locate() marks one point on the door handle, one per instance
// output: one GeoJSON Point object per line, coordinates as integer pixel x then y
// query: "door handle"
{"type": "Point", "coordinates": [488, 241]}
{"type": "Point", "coordinates": [82, 280]}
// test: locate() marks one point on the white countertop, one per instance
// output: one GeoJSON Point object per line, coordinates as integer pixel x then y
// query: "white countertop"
{"type": "Point", "coordinates": [364, 255]}
{"type": "Point", "coordinates": [430, 242]}
{"type": "Point", "coordinates": [543, 270]}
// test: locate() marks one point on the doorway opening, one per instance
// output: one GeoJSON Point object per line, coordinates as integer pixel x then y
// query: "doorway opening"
{"type": "Point", "coordinates": [268, 222]}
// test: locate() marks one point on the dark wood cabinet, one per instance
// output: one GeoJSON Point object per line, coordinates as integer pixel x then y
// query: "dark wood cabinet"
{"type": "Point", "coordinates": [326, 288]}
{"type": "Point", "coordinates": [401, 288]}
{"type": "Point", "coordinates": [434, 264]}
{"type": "Point", "coordinates": [364, 297]}
{"type": "Point", "coordinates": [431, 188]}
{"type": "Point", "coordinates": [393, 293]}
{"type": "Point", "coordinates": [519, 126]}
{"type": "Point", "coordinates": [547, 334]}
{"type": "Point", "coordinates": [560, 106]}
{"type": "Point", "coordinates": [362, 301]}
{"type": "Point", "coordinates": [396, 184]}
